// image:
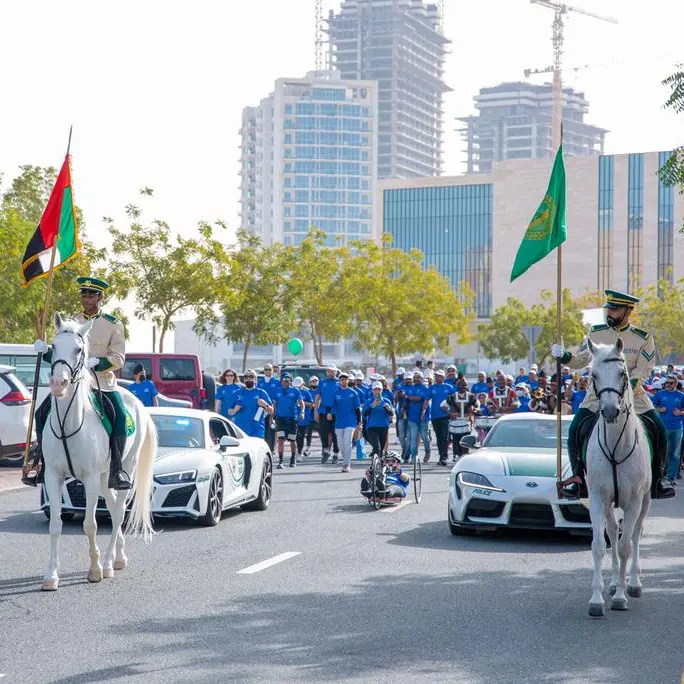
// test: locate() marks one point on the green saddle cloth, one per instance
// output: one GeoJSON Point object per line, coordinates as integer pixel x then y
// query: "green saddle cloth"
{"type": "Point", "coordinates": [106, 423]}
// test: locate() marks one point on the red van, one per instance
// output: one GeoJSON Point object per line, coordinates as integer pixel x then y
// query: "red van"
{"type": "Point", "coordinates": [178, 376]}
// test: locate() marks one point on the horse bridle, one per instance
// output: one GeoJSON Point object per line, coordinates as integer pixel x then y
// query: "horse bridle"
{"type": "Point", "coordinates": [619, 392]}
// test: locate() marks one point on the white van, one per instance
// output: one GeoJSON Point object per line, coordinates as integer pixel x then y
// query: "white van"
{"type": "Point", "coordinates": [22, 358]}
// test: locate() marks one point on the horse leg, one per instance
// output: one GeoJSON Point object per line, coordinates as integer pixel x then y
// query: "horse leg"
{"type": "Point", "coordinates": [110, 498]}
{"type": "Point", "coordinates": [598, 549]}
{"type": "Point", "coordinates": [53, 487]}
{"type": "Point", "coordinates": [634, 586]}
{"type": "Point", "coordinates": [624, 552]}
{"type": "Point", "coordinates": [120, 561]}
{"type": "Point", "coordinates": [613, 530]}
{"type": "Point", "coordinates": [92, 488]}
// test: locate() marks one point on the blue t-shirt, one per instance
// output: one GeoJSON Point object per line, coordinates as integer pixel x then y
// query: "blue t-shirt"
{"type": "Point", "coordinates": [451, 381]}
{"type": "Point", "coordinates": [360, 393]}
{"type": "Point", "coordinates": [226, 395]}
{"type": "Point", "coordinates": [145, 391]}
{"type": "Point", "coordinates": [377, 416]}
{"type": "Point", "coordinates": [345, 403]}
{"type": "Point", "coordinates": [271, 387]}
{"type": "Point", "coordinates": [393, 479]}
{"type": "Point", "coordinates": [307, 397]}
{"type": "Point", "coordinates": [327, 388]}
{"type": "Point", "coordinates": [415, 408]}
{"type": "Point", "coordinates": [533, 385]}
{"type": "Point", "coordinates": [670, 399]}
{"type": "Point", "coordinates": [521, 378]}
{"type": "Point", "coordinates": [286, 403]}
{"type": "Point", "coordinates": [246, 418]}
{"type": "Point", "coordinates": [479, 387]}
{"type": "Point", "coordinates": [438, 394]}
{"type": "Point", "coordinates": [577, 399]}
{"type": "Point", "coordinates": [524, 405]}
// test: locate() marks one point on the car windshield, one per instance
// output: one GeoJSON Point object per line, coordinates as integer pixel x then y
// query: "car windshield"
{"type": "Point", "coordinates": [179, 431]}
{"type": "Point", "coordinates": [527, 434]}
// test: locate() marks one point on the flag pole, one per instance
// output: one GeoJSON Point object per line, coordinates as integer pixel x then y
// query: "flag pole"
{"type": "Point", "coordinates": [559, 341]}
{"type": "Point", "coordinates": [39, 357]}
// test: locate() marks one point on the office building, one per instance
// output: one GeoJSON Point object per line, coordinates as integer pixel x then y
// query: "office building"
{"type": "Point", "coordinates": [514, 122]}
{"type": "Point", "coordinates": [400, 45]}
{"type": "Point", "coordinates": [309, 159]}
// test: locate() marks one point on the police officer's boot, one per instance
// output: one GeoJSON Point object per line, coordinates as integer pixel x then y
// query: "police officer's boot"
{"type": "Point", "coordinates": [572, 487]}
{"type": "Point", "coordinates": [118, 479]}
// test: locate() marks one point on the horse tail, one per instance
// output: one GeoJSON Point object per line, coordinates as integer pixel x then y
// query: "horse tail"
{"type": "Point", "coordinates": [140, 520]}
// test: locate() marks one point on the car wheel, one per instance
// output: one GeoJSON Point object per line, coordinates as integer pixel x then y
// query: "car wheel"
{"type": "Point", "coordinates": [214, 500]}
{"type": "Point", "coordinates": [65, 516]}
{"type": "Point", "coordinates": [458, 530]}
{"type": "Point", "coordinates": [265, 489]}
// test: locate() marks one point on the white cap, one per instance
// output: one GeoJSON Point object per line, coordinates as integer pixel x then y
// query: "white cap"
{"type": "Point", "coordinates": [657, 384]}
{"type": "Point", "coordinates": [521, 385]}
{"type": "Point", "coordinates": [534, 367]}
{"type": "Point", "coordinates": [298, 381]}
{"type": "Point", "coordinates": [509, 377]}
{"type": "Point", "coordinates": [401, 370]}
{"type": "Point", "coordinates": [376, 385]}
{"type": "Point", "coordinates": [359, 375]}
{"type": "Point", "coordinates": [417, 374]}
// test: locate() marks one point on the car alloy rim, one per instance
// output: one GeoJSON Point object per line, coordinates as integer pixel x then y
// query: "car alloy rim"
{"type": "Point", "coordinates": [266, 485]}
{"type": "Point", "coordinates": [216, 496]}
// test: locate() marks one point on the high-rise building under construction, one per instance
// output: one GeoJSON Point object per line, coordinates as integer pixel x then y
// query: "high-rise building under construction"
{"type": "Point", "coordinates": [399, 44]}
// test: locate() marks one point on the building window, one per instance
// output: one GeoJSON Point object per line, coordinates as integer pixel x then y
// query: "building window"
{"type": "Point", "coordinates": [605, 220]}
{"type": "Point", "coordinates": [288, 138]}
{"type": "Point", "coordinates": [328, 93]}
{"type": "Point", "coordinates": [288, 109]}
{"type": "Point", "coordinates": [665, 224]}
{"type": "Point", "coordinates": [635, 221]}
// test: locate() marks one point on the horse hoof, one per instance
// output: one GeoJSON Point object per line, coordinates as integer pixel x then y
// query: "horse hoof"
{"type": "Point", "coordinates": [618, 604]}
{"type": "Point", "coordinates": [49, 585]}
{"type": "Point", "coordinates": [107, 573]}
{"type": "Point", "coordinates": [95, 576]}
{"type": "Point", "coordinates": [120, 564]}
{"type": "Point", "coordinates": [612, 589]}
{"type": "Point", "coordinates": [634, 592]}
{"type": "Point", "coordinates": [597, 610]}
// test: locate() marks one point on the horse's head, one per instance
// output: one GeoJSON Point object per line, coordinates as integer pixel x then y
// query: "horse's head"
{"type": "Point", "coordinates": [610, 378]}
{"type": "Point", "coordinates": [69, 354]}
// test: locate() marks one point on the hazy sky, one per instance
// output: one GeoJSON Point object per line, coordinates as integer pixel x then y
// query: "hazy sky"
{"type": "Point", "coordinates": [155, 89]}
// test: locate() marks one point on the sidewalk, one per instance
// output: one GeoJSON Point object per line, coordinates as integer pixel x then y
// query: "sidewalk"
{"type": "Point", "coordinates": [10, 478]}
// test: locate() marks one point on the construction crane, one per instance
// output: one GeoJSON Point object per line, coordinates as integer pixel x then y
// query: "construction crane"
{"type": "Point", "coordinates": [318, 41]}
{"type": "Point", "coordinates": [560, 9]}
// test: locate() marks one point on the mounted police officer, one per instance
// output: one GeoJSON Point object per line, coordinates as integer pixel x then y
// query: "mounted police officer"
{"type": "Point", "coordinates": [639, 352]}
{"type": "Point", "coordinates": [107, 346]}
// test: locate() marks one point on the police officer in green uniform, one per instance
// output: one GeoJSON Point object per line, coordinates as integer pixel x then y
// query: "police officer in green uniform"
{"type": "Point", "coordinates": [639, 352]}
{"type": "Point", "coordinates": [107, 345]}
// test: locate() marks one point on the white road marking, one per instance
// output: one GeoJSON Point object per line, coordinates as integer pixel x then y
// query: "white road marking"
{"type": "Point", "coordinates": [392, 509]}
{"type": "Point", "coordinates": [258, 567]}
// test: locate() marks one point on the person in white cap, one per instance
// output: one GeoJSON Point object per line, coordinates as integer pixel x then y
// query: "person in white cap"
{"type": "Point", "coordinates": [305, 426]}
{"type": "Point", "coordinates": [346, 408]}
{"type": "Point", "coordinates": [378, 412]}
{"type": "Point", "coordinates": [356, 383]}
{"type": "Point", "coordinates": [418, 415]}
{"type": "Point", "coordinates": [327, 388]}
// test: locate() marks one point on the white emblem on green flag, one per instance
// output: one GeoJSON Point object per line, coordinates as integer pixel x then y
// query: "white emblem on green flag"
{"type": "Point", "coordinates": [547, 228]}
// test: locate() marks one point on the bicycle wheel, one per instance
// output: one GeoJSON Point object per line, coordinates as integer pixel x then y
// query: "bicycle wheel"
{"type": "Point", "coordinates": [417, 479]}
{"type": "Point", "coordinates": [376, 474]}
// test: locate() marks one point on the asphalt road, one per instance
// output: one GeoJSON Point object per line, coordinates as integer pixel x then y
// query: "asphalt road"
{"type": "Point", "coordinates": [370, 597]}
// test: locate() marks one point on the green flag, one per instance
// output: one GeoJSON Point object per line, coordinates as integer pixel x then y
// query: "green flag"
{"type": "Point", "coordinates": [547, 227]}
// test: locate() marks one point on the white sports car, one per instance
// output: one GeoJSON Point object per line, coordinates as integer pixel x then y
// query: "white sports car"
{"type": "Point", "coordinates": [204, 466]}
{"type": "Point", "coordinates": [510, 480]}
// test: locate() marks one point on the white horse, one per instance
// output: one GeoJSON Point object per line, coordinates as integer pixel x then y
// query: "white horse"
{"type": "Point", "coordinates": [75, 428]}
{"type": "Point", "coordinates": [618, 474]}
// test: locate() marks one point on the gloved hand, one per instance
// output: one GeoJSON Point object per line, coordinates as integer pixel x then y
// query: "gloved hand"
{"type": "Point", "coordinates": [40, 347]}
{"type": "Point", "coordinates": [557, 351]}
{"type": "Point", "coordinates": [92, 362]}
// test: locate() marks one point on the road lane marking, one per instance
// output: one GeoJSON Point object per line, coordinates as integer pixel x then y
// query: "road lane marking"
{"type": "Point", "coordinates": [258, 567]}
{"type": "Point", "coordinates": [392, 509]}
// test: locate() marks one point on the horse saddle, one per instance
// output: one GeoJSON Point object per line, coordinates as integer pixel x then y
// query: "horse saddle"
{"type": "Point", "coordinates": [106, 410]}
{"type": "Point", "coordinates": [587, 424]}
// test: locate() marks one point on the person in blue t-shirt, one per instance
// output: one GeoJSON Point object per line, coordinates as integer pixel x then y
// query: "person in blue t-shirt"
{"type": "Point", "coordinates": [451, 376]}
{"type": "Point", "coordinates": [669, 402]}
{"type": "Point", "coordinates": [523, 396]}
{"type": "Point", "coordinates": [522, 376]}
{"type": "Point", "coordinates": [306, 424]}
{"type": "Point", "coordinates": [377, 413]}
{"type": "Point", "coordinates": [143, 388]}
{"type": "Point", "coordinates": [357, 384]}
{"type": "Point", "coordinates": [533, 382]}
{"type": "Point", "coordinates": [251, 407]}
{"type": "Point", "coordinates": [225, 392]}
{"type": "Point", "coordinates": [395, 482]}
{"type": "Point", "coordinates": [440, 418]}
{"type": "Point", "coordinates": [346, 408]}
{"type": "Point", "coordinates": [418, 416]}
{"type": "Point", "coordinates": [576, 391]}
{"type": "Point", "coordinates": [327, 388]}
{"type": "Point", "coordinates": [271, 385]}
{"type": "Point", "coordinates": [289, 409]}
{"type": "Point", "coordinates": [480, 385]}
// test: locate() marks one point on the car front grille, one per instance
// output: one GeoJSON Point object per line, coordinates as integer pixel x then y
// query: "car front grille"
{"type": "Point", "coordinates": [483, 508]}
{"type": "Point", "coordinates": [178, 498]}
{"type": "Point", "coordinates": [575, 513]}
{"type": "Point", "coordinates": [532, 515]}
{"type": "Point", "coordinates": [78, 496]}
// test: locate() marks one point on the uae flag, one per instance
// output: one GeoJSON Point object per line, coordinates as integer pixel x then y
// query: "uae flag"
{"type": "Point", "coordinates": [57, 228]}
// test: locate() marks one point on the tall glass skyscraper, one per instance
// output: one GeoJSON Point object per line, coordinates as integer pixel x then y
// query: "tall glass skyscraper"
{"type": "Point", "coordinates": [309, 159]}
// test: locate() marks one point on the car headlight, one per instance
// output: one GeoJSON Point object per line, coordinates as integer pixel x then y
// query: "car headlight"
{"type": "Point", "coordinates": [176, 478]}
{"type": "Point", "coordinates": [476, 480]}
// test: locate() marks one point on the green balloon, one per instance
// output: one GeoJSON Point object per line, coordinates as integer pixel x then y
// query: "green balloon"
{"type": "Point", "coordinates": [295, 345]}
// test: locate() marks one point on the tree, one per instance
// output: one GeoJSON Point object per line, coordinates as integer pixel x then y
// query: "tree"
{"type": "Point", "coordinates": [404, 309]}
{"type": "Point", "coordinates": [166, 274]}
{"type": "Point", "coordinates": [660, 312]}
{"type": "Point", "coordinates": [319, 286]}
{"type": "Point", "coordinates": [573, 329]}
{"type": "Point", "coordinates": [590, 299]}
{"type": "Point", "coordinates": [22, 309]}
{"type": "Point", "coordinates": [672, 173]}
{"type": "Point", "coordinates": [251, 293]}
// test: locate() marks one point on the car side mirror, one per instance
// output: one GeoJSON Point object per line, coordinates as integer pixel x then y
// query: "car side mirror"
{"type": "Point", "coordinates": [228, 441]}
{"type": "Point", "coordinates": [469, 442]}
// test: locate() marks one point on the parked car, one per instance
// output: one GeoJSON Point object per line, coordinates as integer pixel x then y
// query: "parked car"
{"type": "Point", "coordinates": [178, 376]}
{"type": "Point", "coordinates": [510, 481]}
{"type": "Point", "coordinates": [22, 358]}
{"type": "Point", "coordinates": [305, 371]}
{"type": "Point", "coordinates": [204, 466]}
{"type": "Point", "coordinates": [15, 408]}
{"type": "Point", "coordinates": [162, 399]}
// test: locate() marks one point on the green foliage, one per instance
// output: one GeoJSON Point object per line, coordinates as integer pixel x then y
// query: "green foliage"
{"type": "Point", "coordinates": [672, 172]}
{"type": "Point", "coordinates": [22, 309]}
{"type": "Point", "coordinates": [660, 312]}
{"type": "Point", "coordinates": [503, 337]}
{"type": "Point", "coordinates": [166, 274]}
